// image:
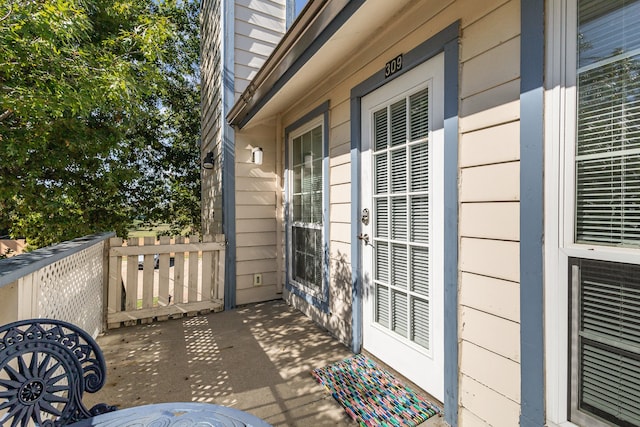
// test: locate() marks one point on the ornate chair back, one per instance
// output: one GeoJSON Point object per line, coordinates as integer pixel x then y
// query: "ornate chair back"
{"type": "Point", "coordinates": [45, 367]}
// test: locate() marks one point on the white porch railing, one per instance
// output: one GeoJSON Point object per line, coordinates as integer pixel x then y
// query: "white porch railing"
{"type": "Point", "coordinates": [94, 281]}
{"type": "Point", "coordinates": [161, 280]}
{"type": "Point", "coordinates": [64, 282]}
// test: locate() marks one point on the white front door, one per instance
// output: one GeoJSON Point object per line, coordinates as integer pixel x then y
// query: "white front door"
{"type": "Point", "coordinates": [401, 231]}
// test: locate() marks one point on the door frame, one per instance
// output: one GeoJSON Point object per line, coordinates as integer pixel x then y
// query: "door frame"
{"type": "Point", "coordinates": [424, 366]}
{"type": "Point", "coordinates": [447, 41]}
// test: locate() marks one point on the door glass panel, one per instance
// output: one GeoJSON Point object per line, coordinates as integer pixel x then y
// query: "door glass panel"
{"type": "Point", "coordinates": [420, 322]}
{"type": "Point", "coordinates": [382, 306]}
{"type": "Point", "coordinates": [381, 174]}
{"type": "Point", "coordinates": [382, 217]}
{"type": "Point", "coordinates": [419, 271]}
{"type": "Point", "coordinates": [401, 217]}
{"type": "Point", "coordinates": [419, 214]}
{"type": "Point", "coordinates": [399, 170]}
{"type": "Point", "coordinates": [399, 313]}
{"type": "Point", "coordinates": [382, 262]}
{"type": "Point", "coordinates": [419, 163]}
{"type": "Point", "coordinates": [380, 131]}
{"type": "Point", "coordinates": [399, 123]}
{"type": "Point", "coordinates": [419, 114]}
{"type": "Point", "coordinates": [399, 265]}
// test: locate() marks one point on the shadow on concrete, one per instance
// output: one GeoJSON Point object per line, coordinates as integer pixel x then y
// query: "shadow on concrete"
{"type": "Point", "coordinates": [256, 358]}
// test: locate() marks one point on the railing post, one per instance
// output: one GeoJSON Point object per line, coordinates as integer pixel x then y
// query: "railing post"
{"type": "Point", "coordinates": [27, 297]}
{"type": "Point", "coordinates": [207, 271]}
{"type": "Point", "coordinates": [115, 285]}
{"type": "Point", "coordinates": [163, 285]}
{"type": "Point", "coordinates": [193, 271]}
{"type": "Point", "coordinates": [220, 263]}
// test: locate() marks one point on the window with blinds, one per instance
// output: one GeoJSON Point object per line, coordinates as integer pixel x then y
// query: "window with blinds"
{"type": "Point", "coordinates": [306, 209]}
{"type": "Point", "coordinates": [401, 217]}
{"type": "Point", "coordinates": [608, 123]}
{"type": "Point", "coordinates": [605, 296]}
{"type": "Point", "coordinates": [606, 340]}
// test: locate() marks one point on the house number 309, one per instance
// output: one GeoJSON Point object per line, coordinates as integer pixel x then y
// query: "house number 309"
{"type": "Point", "coordinates": [393, 66]}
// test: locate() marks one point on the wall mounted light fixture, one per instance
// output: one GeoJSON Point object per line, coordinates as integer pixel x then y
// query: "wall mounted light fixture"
{"type": "Point", "coordinates": [207, 163]}
{"type": "Point", "coordinates": [256, 155]}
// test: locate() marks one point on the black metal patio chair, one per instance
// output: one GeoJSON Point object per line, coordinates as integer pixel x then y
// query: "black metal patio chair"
{"type": "Point", "coordinates": [45, 367]}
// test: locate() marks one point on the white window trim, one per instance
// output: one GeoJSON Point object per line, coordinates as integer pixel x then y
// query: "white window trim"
{"type": "Point", "coordinates": [559, 190]}
{"type": "Point", "coordinates": [555, 261]}
{"type": "Point", "coordinates": [307, 127]}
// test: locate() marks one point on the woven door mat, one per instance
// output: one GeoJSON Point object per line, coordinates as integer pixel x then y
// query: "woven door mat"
{"type": "Point", "coordinates": [371, 395]}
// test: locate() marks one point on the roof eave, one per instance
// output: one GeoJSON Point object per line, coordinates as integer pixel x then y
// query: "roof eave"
{"type": "Point", "coordinates": [303, 39]}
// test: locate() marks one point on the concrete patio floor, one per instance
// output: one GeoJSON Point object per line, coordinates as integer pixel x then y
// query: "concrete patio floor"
{"type": "Point", "coordinates": [255, 358]}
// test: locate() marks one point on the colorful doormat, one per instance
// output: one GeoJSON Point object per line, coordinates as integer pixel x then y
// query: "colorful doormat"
{"type": "Point", "coordinates": [371, 395]}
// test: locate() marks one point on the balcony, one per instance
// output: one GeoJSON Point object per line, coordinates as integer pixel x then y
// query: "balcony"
{"type": "Point", "coordinates": [163, 336]}
{"type": "Point", "coordinates": [256, 358]}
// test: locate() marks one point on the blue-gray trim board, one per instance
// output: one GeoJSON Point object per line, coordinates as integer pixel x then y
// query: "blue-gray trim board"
{"type": "Point", "coordinates": [531, 213]}
{"type": "Point", "coordinates": [445, 41]}
{"type": "Point", "coordinates": [323, 302]}
{"type": "Point", "coordinates": [228, 156]}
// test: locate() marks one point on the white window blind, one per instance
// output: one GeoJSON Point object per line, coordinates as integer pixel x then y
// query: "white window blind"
{"type": "Point", "coordinates": [401, 217]}
{"type": "Point", "coordinates": [608, 125]}
{"type": "Point", "coordinates": [605, 296]}
{"type": "Point", "coordinates": [607, 339]}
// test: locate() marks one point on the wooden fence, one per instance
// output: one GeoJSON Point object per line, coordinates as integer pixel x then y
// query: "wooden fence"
{"type": "Point", "coordinates": [164, 279]}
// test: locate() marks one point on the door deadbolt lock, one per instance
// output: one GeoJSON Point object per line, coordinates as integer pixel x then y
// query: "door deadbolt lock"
{"type": "Point", "coordinates": [365, 216]}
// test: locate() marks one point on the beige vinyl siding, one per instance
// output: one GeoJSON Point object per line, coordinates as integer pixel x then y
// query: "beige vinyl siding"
{"type": "Point", "coordinates": [489, 190]}
{"type": "Point", "coordinates": [259, 26]}
{"type": "Point", "coordinates": [489, 225]}
{"type": "Point", "coordinates": [489, 181]}
{"type": "Point", "coordinates": [256, 216]}
{"type": "Point", "coordinates": [212, 114]}
{"type": "Point", "coordinates": [486, 404]}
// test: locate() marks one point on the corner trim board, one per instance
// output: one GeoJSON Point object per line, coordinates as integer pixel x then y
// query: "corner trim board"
{"type": "Point", "coordinates": [532, 46]}
{"type": "Point", "coordinates": [228, 157]}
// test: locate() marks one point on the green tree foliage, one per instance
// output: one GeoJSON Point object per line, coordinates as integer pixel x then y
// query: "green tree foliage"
{"type": "Point", "coordinates": [173, 174]}
{"type": "Point", "coordinates": [82, 90]}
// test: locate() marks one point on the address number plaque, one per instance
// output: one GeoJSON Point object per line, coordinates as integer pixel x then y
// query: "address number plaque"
{"type": "Point", "coordinates": [393, 66]}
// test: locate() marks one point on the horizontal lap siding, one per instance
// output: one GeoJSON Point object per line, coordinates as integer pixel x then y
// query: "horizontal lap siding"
{"type": "Point", "coordinates": [256, 217]}
{"type": "Point", "coordinates": [489, 156]}
{"type": "Point", "coordinates": [211, 106]}
{"type": "Point", "coordinates": [489, 189]}
{"type": "Point", "coordinates": [259, 26]}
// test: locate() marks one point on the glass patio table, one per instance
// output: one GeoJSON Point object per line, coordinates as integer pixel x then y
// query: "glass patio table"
{"type": "Point", "coordinates": [181, 414]}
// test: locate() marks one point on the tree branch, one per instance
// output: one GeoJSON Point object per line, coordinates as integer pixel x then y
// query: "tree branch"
{"type": "Point", "coordinates": [5, 114]}
{"type": "Point", "coordinates": [8, 13]}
